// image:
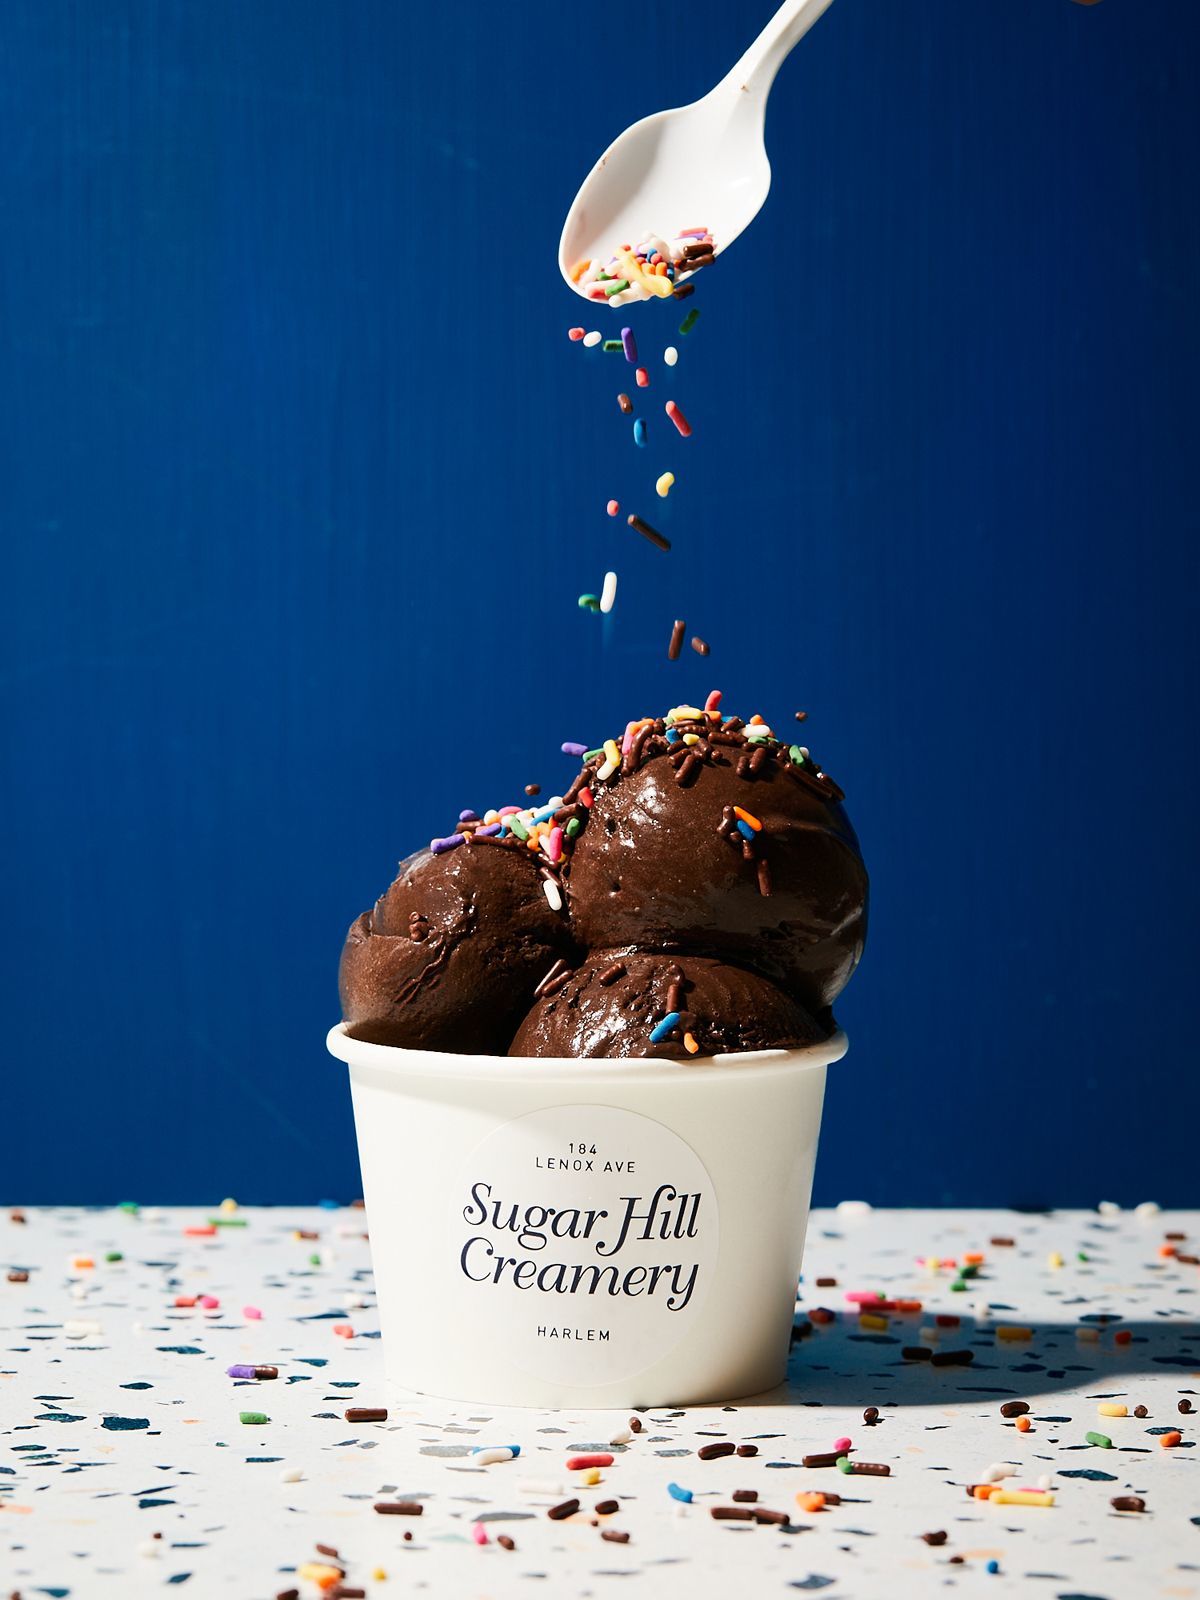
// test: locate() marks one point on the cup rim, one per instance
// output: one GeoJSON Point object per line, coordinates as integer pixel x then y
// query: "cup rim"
{"type": "Point", "coordinates": [400, 1062]}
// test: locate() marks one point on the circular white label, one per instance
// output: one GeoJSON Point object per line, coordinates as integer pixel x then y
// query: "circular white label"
{"type": "Point", "coordinates": [585, 1239]}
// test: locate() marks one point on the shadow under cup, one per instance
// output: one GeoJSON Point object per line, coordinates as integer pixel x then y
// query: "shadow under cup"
{"type": "Point", "coordinates": [586, 1233]}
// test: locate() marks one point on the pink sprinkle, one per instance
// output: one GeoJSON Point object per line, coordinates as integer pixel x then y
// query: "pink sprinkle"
{"type": "Point", "coordinates": [209, 1302]}
{"type": "Point", "coordinates": [574, 333]}
{"type": "Point", "coordinates": [862, 1297]}
{"type": "Point", "coordinates": [627, 740]}
{"type": "Point", "coordinates": [713, 701]}
{"type": "Point", "coordinates": [554, 844]}
{"type": "Point", "coordinates": [343, 1330]}
{"type": "Point", "coordinates": [692, 233]}
{"type": "Point", "coordinates": [479, 1533]}
{"type": "Point", "coordinates": [252, 1313]}
{"type": "Point", "coordinates": [842, 1445]}
{"type": "Point", "coordinates": [508, 811]}
{"type": "Point", "coordinates": [613, 507]}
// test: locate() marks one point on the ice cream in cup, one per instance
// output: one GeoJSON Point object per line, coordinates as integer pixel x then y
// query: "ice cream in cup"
{"type": "Point", "coordinates": [587, 1043]}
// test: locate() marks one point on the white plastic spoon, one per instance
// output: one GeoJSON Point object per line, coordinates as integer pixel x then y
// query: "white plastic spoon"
{"type": "Point", "coordinates": [699, 166]}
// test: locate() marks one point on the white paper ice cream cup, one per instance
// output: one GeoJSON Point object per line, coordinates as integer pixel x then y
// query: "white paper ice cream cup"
{"type": "Point", "coordinates": [586, 1233]}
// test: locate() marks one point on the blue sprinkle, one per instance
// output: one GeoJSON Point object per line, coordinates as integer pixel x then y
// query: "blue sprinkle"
{"type": "Point", "coordinates": [746, 831]}
{"type": "Point", "coordinates": [329, 1205]}
{"type": "Point", "coordinates": [664, 1027]}
{"type": "Point", "coordinates": [125, 1424]}
{"type": "Point", "coordinates": [672, 736]}
{"type": "Point", "coordinates": [639, 432]}
{"type": "Point", "coordinates": [677, 1493]}
{"type": "Point", "coordinates": [992, 1566]}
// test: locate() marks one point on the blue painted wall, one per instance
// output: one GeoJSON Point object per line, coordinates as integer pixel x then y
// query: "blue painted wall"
{"type": "Point", "coordinates": [296, 462]}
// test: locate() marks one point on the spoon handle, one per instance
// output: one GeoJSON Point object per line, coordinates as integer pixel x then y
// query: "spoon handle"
{"type": "Point", "coordinates": [755, 72]}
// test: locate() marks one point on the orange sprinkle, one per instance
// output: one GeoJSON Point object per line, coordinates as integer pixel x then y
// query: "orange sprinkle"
{"type": "Point", "coordinates": [909, 1307]}
{"type": "Point", "coordinates": [984, 1491]}
{"type": "Point", "coordinates": [82, 1261]}
{"type": "Point", "coordinates": [343, 1330]}
{"type": "Point", "coordinates": [1023, 1424]}
{"type": "Point", "coordinates": [819, 1315]}
{"type": "Point", "coordinates": [751, 821]}
{"type": "Point", "coordinates": [757, 719]}
{"type": "Point", "coordinates": [690, 1045]}
{"type": "Point", "coordinates": [973, 1257]}
{"type": "Point", "coordinates": [578, 270]}
{"type": "Point", "coordinates": [814, 1501]}
{"type": "Point", "coordinates": [1170, 1440]}
{"type": "Point", "coordinates": [1166, 1250]}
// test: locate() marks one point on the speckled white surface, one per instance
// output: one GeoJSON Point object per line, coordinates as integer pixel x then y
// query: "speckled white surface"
{"type": "Point", "coordinates": [118, 1423]}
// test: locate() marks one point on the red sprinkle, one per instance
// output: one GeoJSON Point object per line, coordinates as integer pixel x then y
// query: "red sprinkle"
{"type": "Point", "coordinates": [643, 378]}
{"type": "Point", "coordinates": [678, 418]}
{"type": "Point", "coordinates": [574, 333]}
{"type": "Point", "coordinates": [585, 797]}
{"type": "Point", "coordinates": [579, 1463]}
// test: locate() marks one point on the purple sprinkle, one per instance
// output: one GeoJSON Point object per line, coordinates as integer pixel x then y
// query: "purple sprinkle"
{"type": "Point", "coordinates": [440, 846]}
{"type": "Point", "coordinates": [239, 1372]}
{"type": "Point", "coordinates": [467, 816]}
{"type": "Point", "coordinates": [630, 344]}
{"type": "Point", "coordinates": [488, 832]}
{"type": "Point", "coordinates": [574, 749]}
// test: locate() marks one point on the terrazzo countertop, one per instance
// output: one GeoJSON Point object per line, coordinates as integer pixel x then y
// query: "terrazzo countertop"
{"type": "Point", "coordinates": [124, 1467]}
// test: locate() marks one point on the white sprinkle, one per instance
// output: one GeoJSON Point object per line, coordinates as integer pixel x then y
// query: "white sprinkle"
{"type": "Point", "coordinates": [1147, 1209]}
{"type": "Point", "coordinates": [149, 1547]}
{"type": "Point", "coordinates": [539, 1486]}
{"type": "Point", "coordinates": [355, 1302]}
{"type": "Point", "coordinates": [1044, 1481]}
{"type": "Point", "coordinates": [1087, 1335]}
{"type": "Point", "coordinates": [622, 1436]}
{"type": "Point", "coordinates": [292, 1475]}
{"type": "Point", "coordinates": [80, 1291]}
{"type": "Point", "coordinates": [80, 1329]}
{"type": "Point", "coordinates": [929, 1335]}
{"type": "Point", "coordinates": [852, 1208]}
{"type": "Point", "coordinates": [590, 340]}
{"type": "Point", "coordinates": [553, 895]}
{"type": "Point", "coordinates": [1109, 1208]}
{"type": "Point", "coordinates": [489, 1458]}
{"type": "Point", "coordinates": [606, 771]}
{"type": "Point", "coordinates": [608, 594]}
{"type": "Point", "coordinates": [670, 355]}
{"type": "Point", "coordinates": [997, 1470]}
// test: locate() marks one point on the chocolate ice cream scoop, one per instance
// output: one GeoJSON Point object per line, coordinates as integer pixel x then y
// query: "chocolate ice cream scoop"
{"type": "Point", "coordinates": [622, 1005]}
{"type": "Point", "coordinates": [450, 957]}
{"type": "Point", "coordinates": [712, 839]}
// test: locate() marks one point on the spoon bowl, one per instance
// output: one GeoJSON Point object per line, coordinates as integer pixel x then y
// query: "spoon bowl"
{"type": "Point", "coordinates": [702, 165]}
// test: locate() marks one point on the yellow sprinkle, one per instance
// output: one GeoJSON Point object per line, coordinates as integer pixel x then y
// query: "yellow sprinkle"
{"type": "Point", "coordinates": [663, 484]}
{"type": "Point", "coordinates": [611, 751]}
{"type": "Point", "coordinates": [229, 1205]}
{"type": "Point", "coordinates": [491, 816]}
{"type": "Point", "coordinates": [932, 1263]}
{"type": "Point", "coordinates": [317, 1572]}
{"type": "Point", "coordinates": [1055, 1259]}
{"type": "Point", "coordinates": [1109, 1409]}
{"type": "Point", "coordinates": [379, 1575]}
{"type": "Point", "coordinates": [690, 1045]}
{"type": "Point", "coordinates": [588, 1476]}
{"type": "Point", "coordinates": [869, 1319]}
{"type": "Point", "coordinates": [1021, 1497]}
{"type": "Point", "coordinates": [691, 738]}
{"type": "Point", "coordinates": [751, 821]}
{"type": "Point", "coordinates": [1013, 1335]}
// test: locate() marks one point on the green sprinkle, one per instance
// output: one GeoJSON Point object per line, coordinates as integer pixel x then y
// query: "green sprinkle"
{"type": "Point", "coordinates": [518, 827]}
{"type": "Point", "coordinates": [1100, 1439]}
{"type": "Point", "coordinates": [590, 755]}
{"type": "Point", "coordinates": [759, 738]}
{"type": "Point", "coordinates": [615, 288]}
{"type": "Point", "coordinates": [1081, 1255]}
{"type": "Point", "coordinates": [255, 1418]}
{"type": "Point", "coordinates": [227, 1222]}
{"type": "Point", "coordinates": [689, 322]}
{"type": "Point", "coordinates": [612, 344]}
{"type": "Point", "coordinates": [958, 1286]}
{"type": "Point", "coordinates": [573, 827]}
{"type": "Point", "coordinates": [844, 1464]}
{"type": "Point", "coordinates": [314, 1260]}
{"type": "Point", "coordinates": [589, 602]}
{"type": "Point", "coordinates": [969, 1271]}
{"type": "Point", "coordinates": [130, 1206]}
{"type": "Point", "coordinates": [796, 754]}
{"type": "Point", "coordinates": [114, 1255]}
